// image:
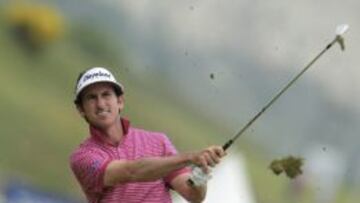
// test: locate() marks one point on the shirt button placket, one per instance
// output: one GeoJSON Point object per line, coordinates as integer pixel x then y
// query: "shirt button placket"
{"type": "Point", "coordinates": [120, 153]}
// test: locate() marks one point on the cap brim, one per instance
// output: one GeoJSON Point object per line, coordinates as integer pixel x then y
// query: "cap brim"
{"type": "Point", "coordinates": [117, 85]}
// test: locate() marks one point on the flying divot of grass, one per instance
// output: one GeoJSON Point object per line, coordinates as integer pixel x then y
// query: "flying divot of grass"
{"type": "Point", "coordinates": [290, 165]}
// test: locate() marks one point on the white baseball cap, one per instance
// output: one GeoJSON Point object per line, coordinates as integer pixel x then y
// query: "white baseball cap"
{"type": "Point", "coordinates": [95, 75]}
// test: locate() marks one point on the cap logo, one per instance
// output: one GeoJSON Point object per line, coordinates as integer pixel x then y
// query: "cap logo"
{"type": "Point", "coordinates": [96, 75]}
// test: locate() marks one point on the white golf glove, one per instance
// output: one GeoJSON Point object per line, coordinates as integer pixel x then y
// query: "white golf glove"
{"type": "Point", "coordinates": [198, 177]}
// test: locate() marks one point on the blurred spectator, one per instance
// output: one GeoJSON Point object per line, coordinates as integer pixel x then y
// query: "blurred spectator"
{"type": "Point", "coordinates": [34, 26]}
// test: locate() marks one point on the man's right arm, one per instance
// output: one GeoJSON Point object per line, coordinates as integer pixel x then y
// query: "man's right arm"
{"type": "Point", "coordinates": [149, 169]}
{"type": "Point", "coordinates": [146, 169]}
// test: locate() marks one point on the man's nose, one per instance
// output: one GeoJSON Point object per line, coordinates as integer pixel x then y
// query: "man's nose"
{"type": "Point", "coordinates": [100, 102]}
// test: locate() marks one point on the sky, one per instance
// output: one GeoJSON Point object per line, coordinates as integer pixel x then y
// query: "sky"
{"type": "Point", "coordinates": [274, 35]}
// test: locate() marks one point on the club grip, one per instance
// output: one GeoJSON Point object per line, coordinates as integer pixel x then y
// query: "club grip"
{"type": "Point", "coordinates": [227, 144]}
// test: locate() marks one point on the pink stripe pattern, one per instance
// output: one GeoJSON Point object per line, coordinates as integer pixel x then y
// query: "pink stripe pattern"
{"type": "Point", "coordinates": [89, 161]}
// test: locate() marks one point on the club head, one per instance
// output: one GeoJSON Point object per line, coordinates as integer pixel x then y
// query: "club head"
{"type": "Point", "coordinates": [340, 31]}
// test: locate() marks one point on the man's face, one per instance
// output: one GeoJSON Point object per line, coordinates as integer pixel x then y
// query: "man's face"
{"type": "Point", "coordinates": [100, 105]}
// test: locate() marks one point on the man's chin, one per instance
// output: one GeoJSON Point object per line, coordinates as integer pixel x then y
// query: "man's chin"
{"type": "Point", "coordinates": [102, 124]}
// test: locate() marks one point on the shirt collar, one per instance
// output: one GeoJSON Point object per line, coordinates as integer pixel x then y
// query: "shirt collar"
{"type": "Point", "coordinates": [99, 136]}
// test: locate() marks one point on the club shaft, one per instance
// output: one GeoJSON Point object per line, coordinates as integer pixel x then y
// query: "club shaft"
{"type": "Point", "coordinates": [242, 130]}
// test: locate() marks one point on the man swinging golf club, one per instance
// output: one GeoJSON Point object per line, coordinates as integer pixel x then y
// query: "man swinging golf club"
{"type": "Point", "coordinates": [121, 163]}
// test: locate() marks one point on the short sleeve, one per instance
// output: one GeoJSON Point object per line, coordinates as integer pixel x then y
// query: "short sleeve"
{"type": "Point", "coordinates": [170, 150]}
{"type": "Point", "coordinates": [89, 167]}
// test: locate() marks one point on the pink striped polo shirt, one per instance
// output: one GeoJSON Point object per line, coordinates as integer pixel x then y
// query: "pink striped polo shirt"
{"type": "Point", "coordinates": [89, 160]}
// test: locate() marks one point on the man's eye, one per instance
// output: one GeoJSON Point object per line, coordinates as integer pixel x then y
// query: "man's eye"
{"type": "Point", "coordinates": [107, 94]}
{"type": "Point", "coordinates": [90, 97]}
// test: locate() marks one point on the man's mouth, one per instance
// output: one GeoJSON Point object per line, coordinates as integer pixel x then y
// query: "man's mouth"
{"type": "Point", "coordinates": [103, 112]}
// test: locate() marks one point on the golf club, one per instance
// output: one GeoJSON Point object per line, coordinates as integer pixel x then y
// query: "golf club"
{"type": "Point", "coordinates": [340, 30]}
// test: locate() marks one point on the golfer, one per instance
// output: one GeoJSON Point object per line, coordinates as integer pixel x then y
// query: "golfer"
{"type": "Point", "coordinates": [121, 163]}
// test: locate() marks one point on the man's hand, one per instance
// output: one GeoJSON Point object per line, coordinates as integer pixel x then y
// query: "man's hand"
{"type": "Point", "coordinates": [208, 157]}
{"type": "Point", "coordinates": [202, 161]}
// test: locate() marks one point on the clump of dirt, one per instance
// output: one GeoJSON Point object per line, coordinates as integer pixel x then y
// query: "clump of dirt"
{"type": "Point", "coordinates": [290, 165]}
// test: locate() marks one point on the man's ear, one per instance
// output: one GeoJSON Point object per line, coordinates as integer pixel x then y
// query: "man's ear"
{"type": "Point", "coordinates": [121, 102]}
{"type": "Point", "coordinates": [80, 110]}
